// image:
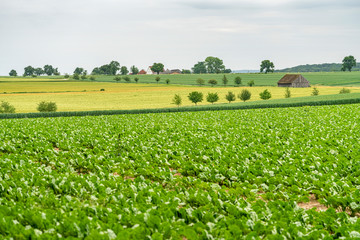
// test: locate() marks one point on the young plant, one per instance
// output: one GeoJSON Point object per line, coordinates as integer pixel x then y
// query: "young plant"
{"type": "Point", "coordinates": [237, 81]}
{"type": "Point", "coordinates": [251, 83]}
{"type": "Point", "coordinates": [157, 79]}
{"type": "Point", "coordinates": [167, 81]}
{"type": "Point", "coordinates": [6, 107]}
{"type": "Point", "coordinates": [177, 100]}
{"type": "Point", "coordinates": [315, 92]}
{"type": "Point", "coordinates": [195, 97]}
{"type": "Point", "coordinates": [244, 95]}
{"type": "Point", "coordinates": [225, 80]}
{"type": "Point", "coordinates": [344, 90]}
{"type": "Point", "coordinates": [46, 107]}
{"type": "Point", "coordinates": [230, 97]}
{"type": "Point", "coordinates": [212, 82]}
{"type": "Point", "coordinates": [212, 97]}
{"type": "Point", "coordinates": [200, 81]}
{"type": "Point", "coordinates": [265, 95]}
{"type": "Point", "coordinates": [287, 93]}
{"type": "Point", "coordinates": [136, 79]}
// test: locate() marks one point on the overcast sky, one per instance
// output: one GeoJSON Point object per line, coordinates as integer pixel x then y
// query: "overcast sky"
{"type": "Point", "coordinates": [178, 33]}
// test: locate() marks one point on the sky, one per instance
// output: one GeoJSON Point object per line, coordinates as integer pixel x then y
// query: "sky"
{"type": "Point", "coordinates": [178, 33]}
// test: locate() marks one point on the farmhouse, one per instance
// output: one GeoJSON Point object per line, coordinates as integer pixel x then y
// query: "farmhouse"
{"type": "Point", "coordinates": [142, 72]}
{"type": "Point", "coordinates": [293, 80]}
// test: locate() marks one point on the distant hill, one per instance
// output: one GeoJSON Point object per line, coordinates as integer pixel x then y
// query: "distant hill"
{"type": "Point", "coordinates": [324, 67]}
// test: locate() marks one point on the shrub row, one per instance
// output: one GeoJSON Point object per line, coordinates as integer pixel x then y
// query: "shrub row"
{"type": "Point", "coordinates": [182, 109]}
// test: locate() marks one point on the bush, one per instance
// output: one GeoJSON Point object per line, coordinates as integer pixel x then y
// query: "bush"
{"type": "Point", "coordinates": [195, 97]}
{"type": "Point", "coordinates": [47, 107]}
{"type": "Point", "coordinates": [117, 78]}
{"type": "Point", "coordinates": [76, 76]}
{"type": "Point", "coordinates": [92, 78]}
{"type": "Point", "coordinates": [344, 90]}
{"type": "Point", "coordinates": [212, 82]}
{"type": "Point", "coordinates": [230, 97]}
{"type": "Point", "coordinates": [237, 80]}
{"type": "Point", "coordinates": [265, 95]}
{"type": "Point", "coordinates": [287, 93]}
{"type": "Point", "coordinates": [212, 97]}
{"type": "Point", "coordinates": [6, 107]}
{"type": "Point", "coordinates": [127, 79]}
{"type": "Point", "coordinates": [66, 76]}
{"type": "Point", "coordinates": [251, 83]}
{"type": "Point", "coordinates": [167, 81]}
{"type": "Point", "coordinates": [102, 90]}
{"type": "Point", "coordinates": [136, 79]}
{"type": "Point", "coordinates": [200, 81]}
{"type": "Point", "coordinates": [244, 95]}
{"type": "Point", "coordinates": [315, 92]}
{"type": "Point", "coordinates": [177, 100]}
{"type": "Point", "coordinates": [157, 79]}
{"type": "Point", "coordinates": [83, 77]}
{"type": "Point", "coordinates": [34, 76]}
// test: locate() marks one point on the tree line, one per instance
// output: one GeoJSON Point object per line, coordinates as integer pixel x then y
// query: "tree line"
{"type": "Point", "coordinates": [209, 65]}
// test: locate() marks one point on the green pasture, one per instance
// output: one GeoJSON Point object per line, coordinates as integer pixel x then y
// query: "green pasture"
{"type": "Point", "coordinates": [319, 78]}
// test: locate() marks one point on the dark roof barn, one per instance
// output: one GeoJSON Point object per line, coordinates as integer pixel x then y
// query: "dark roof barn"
{"type": "Point", "coordinates": [293, 80]}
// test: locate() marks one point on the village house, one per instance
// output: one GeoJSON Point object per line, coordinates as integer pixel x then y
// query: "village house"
{"type": "Point", "coordinates": [293, 80]}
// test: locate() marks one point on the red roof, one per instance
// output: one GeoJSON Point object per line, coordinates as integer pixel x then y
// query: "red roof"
{"type": "Point", "coordinates": [142, 71]}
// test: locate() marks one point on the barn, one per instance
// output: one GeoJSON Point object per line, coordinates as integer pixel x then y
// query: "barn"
{"type": "Point", "coordinates": [293, 80]}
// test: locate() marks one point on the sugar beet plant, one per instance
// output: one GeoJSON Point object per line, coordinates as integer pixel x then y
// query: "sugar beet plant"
{"type": "Point", "coordinates": [194, 175]}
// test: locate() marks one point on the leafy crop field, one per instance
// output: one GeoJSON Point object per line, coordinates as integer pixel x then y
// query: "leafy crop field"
{"type": "Point", "coordinates": [254, 174]}
{"type": "Point", "coordinates": [86, 96]}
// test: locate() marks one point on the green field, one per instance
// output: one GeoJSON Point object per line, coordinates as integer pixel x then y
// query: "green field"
{"type": "Point", "coordinates": [320, 78]}
{"type": "Point", "coordinates": [25, 93]}
{"type": "Point", "coordinates": [249, 174]}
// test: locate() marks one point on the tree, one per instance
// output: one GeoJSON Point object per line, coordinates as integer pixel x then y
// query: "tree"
{"type": "Point", "coordinates": [287, 93]}
{"type": "Point", "coordinates": [13, 73]}
{"type": "Point", "coordinates": [186, 71]}
{"type": "Point", "coordinates": [230, 97]}
{"type": "Point", "coordinates": [251, 83]}
{"type": "Point", "coordinates": [96, 71]}
{"type": "Point", "coordinates": [117, 79]}
{"type": "Point", "coordinates": [315, 92]}
{"type": "Point", "coordinates": [348, 63]}
{"type": "Point", "coordinates": [214, 65]}
{"type": "Point", "coordinates": [134, 70]}
{"type": "Point", "coordinates": [167, 81]}
{"type": "Point", "coordinates": [212, 97]}
{"type": "Point", "coordinates": [195, 97]}
{"type": "Point", "coordinates": [136, 79]}
{"type": "Point", "coordinates": [6, 107]}
{"type": "Point", "coordinates": [237, 81]}
{"type": "Point", "coordinates": [49, 70]}
{"type": "Point", "coordinates": [212, 82]}
{"type": "Point", "coordinates": [56, 72]}
{"type": "Point", "coordinates": [113, 67]}
{"type": "Point", "coordinates": [38, 71]}
{"type": "Point", "coordinates": [200, 81]}
{"type": "Point", "coordinates": [228, 70]}
{"type": "Point", "coordinates": [157, 67]}
{"type": "Point", "coordinates": [46, 107]}
{"type": "Point", "coordinates": [225, 80]}
{"type": "Point", "coordinates": [267, 66]}
{"type": "Point", "coordinates": [124, 70]}
{"type": "Point", "coordinates": [157, 79]}
{"type": "Point", "coordinates": [265, 95]}
{"type": "Point", "coordinates": [76, 76]}
{"type": "Point", "coordinates": [244, 95]}
{"type": "Point", "coordinates": [78, 70]}
{"type": "Point", "coordinates": [199, 68]}
{"type": "Point", "coordinates": [28, 71]}
{"type": "Point", "coordinates": [177, 100]}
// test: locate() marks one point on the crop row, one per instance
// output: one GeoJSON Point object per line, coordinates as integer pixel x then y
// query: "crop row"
{"type": "Point", "coordinates": [193, 175]}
